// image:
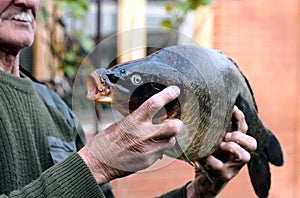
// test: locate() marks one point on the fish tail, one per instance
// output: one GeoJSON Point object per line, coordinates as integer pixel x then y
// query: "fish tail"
{"type": "Point", "coordinates": [259, 169]}
{"type": "Point", "coordinates": [273, 150]}
{"type": "Point", "coordinates": [260, 175]}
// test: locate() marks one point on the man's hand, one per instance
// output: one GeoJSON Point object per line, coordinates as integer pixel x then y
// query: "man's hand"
{"type": "Point", "coordinates": [236, 147]}
{"type": "Point", "coordinates": [134, 143]}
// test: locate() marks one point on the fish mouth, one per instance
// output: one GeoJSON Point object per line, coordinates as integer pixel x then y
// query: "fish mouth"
{"type": "Point", "coordinates": [98, 89]}
{"type": "Point", "coordinates": [101, 90]}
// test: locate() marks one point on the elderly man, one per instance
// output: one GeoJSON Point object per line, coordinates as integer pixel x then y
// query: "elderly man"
{"type": "Point", "coordinates": [42, 153]}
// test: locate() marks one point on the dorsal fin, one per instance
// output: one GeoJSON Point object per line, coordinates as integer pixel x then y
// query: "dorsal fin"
{"type": "Point", "coordinates": [246, 80]}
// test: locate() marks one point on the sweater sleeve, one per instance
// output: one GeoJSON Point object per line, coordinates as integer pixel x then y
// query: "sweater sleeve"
{"type": "Point", "coordinates": [69, 178]}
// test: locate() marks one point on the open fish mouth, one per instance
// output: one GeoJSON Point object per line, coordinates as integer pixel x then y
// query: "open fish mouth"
{"type": "Point", "coordinates": [102, 90]}
{"type": "Point", "coordinates": [98, 89]}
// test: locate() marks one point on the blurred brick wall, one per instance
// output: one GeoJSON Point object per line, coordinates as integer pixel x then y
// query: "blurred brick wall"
{"type": "Point", "coordinates": [262, 37]}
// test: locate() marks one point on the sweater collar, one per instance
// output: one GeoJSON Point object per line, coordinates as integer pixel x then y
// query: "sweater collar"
{"type": "Point", "coordinates": [19, 83]}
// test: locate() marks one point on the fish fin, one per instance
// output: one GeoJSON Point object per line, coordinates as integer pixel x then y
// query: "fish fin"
{"type": "Point", "coordinates": [246, 80]}
{"type": "Point", "coordinates": [259, 169]}
{"type": "Point", "coordinates": [273, 150]}
{"type": "Point", "coordinates": [260, 175]}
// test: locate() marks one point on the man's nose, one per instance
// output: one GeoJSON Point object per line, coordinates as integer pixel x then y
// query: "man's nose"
{"type": "Point", "coordinates": [33, 5]}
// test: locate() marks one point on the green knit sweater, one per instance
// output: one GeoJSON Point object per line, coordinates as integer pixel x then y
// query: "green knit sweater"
{"type": "Point", "coordinates": [35, 136]}
{"type": "Point", "coordinates": [39, 137]}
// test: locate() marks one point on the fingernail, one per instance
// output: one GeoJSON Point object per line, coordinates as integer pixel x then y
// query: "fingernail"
{"type": "Point", "coordinates": [227, 136]}
{"type": "Point", "coordinates": [222, 144]}
{"type": "Point", "coordinates": [235, 108]}
{"type": "Point", "coordinates": [175, 89]}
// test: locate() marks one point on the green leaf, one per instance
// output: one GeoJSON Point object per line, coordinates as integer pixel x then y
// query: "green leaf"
{"type": "Point", "coordinates": [43, 14]}
{"type": "Point", "coordinates": [166, 23]}
{"type": "Point", "coordinates": [70, 70]}
{"type": "Point", "coordinates": [70, 56]}
{"type": "Point", "coordinates": [182, 7]}
{"type": "Point", "coordinates": [207, 2]}
{"type": "Point", "coordinates": [77, 7]}
{"type": "Point", "coordinates": [86, 43]}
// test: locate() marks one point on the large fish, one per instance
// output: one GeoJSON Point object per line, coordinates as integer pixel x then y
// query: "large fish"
{"type": "Point", "coordinates": [211, 84]}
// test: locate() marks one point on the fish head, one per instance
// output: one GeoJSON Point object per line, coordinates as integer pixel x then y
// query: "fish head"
{"type": "Point", "coordinates": [126, 86]}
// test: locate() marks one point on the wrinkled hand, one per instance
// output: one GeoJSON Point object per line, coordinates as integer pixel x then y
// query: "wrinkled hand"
{"type": "Point", "coordinates": [233, 154]}
{"type": "Point", "coordinates": [134, 143]}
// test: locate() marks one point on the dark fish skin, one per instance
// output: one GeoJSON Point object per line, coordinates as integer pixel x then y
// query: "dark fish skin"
{"type": "Point", "coordinates": [211, 84]}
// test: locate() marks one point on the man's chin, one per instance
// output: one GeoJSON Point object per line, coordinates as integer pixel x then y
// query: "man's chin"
{"type": "Point", "coordinates": [19, 38]}
{"type": "Point", "coordinates": [13, 47]}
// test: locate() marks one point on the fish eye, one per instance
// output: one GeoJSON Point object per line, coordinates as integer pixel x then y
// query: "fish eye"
{"type": "Point", "coordinates": [122, 71]}
{"type": "Point", "coordinates": [136, 79]}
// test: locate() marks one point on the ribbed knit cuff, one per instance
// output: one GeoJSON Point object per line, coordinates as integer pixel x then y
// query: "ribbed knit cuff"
{"type": "Point", "coordinates": [75, 178]}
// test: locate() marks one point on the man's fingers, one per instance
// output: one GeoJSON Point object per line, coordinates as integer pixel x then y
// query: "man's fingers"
{"type": "Point", "coordinates": [214, 163]}
{"type": "Point", "coordinates": [245, 141]}
{"type": "Point", "coordinates": [163, 144]}
{"type": "Point", "coordinates": [239, 121]}
{"type": "Point", "coordinates": [149, 108]}
{"type": "Point", "coordinates": [239, 154]}
{"type": "Point", "coordinates": [167, 129]}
